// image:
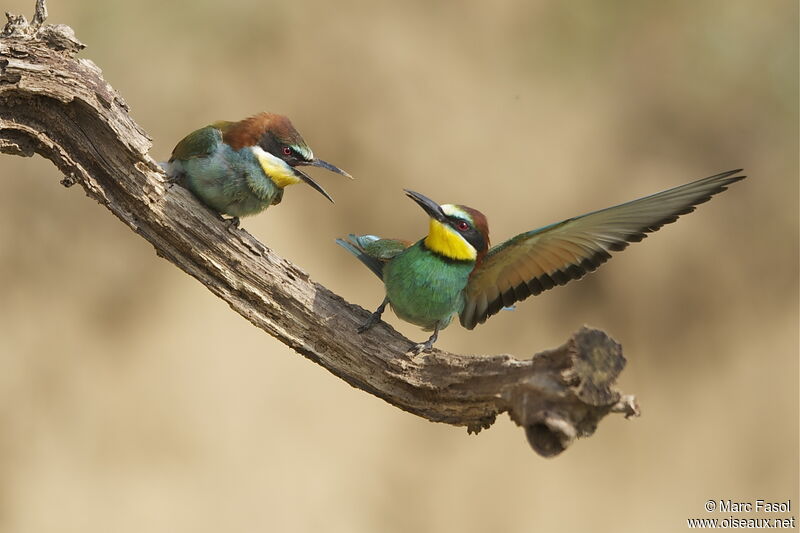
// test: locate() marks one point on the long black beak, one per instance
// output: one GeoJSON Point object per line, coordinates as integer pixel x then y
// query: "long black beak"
{"type": "Point", "coordinates": [324, 164]}
{"type": "Point", "coordinates": [432, 208]}
{"type": "Point", "coordinates": [314, 185]}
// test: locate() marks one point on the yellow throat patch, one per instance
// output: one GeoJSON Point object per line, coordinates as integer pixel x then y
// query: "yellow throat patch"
{"type": "Point", "coordinates": [278, 171]}
{"type": "Point", "coordinates": [444, 240]}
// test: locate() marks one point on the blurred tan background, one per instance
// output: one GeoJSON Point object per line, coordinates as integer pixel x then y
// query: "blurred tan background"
{"type": "Point", "coordinates": [133, 400]}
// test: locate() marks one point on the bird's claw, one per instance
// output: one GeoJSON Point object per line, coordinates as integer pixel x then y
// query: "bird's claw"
{"type": "Point", "coordinates": [422, 347]}
{"type": "Point", "coordinates": [172, 179]}
{"type": "Point", "coordinates": [373, 319]}
{"type": "Point", "coordinates": [426, 346]}
{"type": "Point", "coordinates": [233, 224]}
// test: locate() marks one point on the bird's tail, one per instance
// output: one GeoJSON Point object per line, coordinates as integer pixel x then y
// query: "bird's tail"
{"type": "Point", "coordinates": [355, 244]}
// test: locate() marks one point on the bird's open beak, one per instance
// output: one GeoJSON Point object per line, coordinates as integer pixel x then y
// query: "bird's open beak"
{"type": "Point", "coordinates": [314, 185]}
{"type": "Point", "coordinates": [432, 208]}
{"type": "Point", "coordinates": [324, 164]}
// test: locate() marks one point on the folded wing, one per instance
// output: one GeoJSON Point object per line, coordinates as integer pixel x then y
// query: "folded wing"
{"type": "Point", "coordinates": [538, 260]}
{"type": "Point", "coordinates": [199, 143]}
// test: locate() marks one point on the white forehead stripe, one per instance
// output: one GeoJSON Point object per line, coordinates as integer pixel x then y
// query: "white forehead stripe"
{"type": "Point", "coordinates": [454, 211]}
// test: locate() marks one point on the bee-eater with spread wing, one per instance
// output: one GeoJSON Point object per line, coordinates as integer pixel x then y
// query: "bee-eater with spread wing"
{"type": "Point", "coordinates": [452, 271]}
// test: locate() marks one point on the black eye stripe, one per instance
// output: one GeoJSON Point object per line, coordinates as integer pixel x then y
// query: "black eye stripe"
{"type": "Point", "coordinates": [471, 234]}
{"type": "Point", "coordinates": [277, 147]}
{"type": "Point", "coordinates": [456, 222]}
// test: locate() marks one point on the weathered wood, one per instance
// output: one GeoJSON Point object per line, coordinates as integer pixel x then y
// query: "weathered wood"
{"type": "Point", "coordinates": [59, 106]}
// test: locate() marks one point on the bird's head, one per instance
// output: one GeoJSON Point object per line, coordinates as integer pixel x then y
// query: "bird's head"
{"type": "Point", "coordinates": [456, 231]}
{"type": "Point", "coordinates": [279, 149]}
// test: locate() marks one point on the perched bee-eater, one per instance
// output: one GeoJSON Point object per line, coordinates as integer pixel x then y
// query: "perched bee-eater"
{"type": "Point", "coordinates": [241, 168]}
{"type": "Point", "coordinates": [452, 270]}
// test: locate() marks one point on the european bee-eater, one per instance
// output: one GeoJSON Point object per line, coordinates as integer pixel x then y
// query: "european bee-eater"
{"type": "Point", "coordinates": [452, 270]}
{"type": "Point", "coordinates": [241, 168]}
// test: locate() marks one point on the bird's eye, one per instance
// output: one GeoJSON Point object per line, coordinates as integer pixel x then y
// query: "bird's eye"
{"type": "Point", "coordinates": [287, 150]}
{"type": "Point", "coordinates": [462, 226]}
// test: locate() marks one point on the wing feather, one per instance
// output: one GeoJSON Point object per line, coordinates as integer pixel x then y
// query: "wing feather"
{"type": "Point", "coordinates": [199, 143]}
{"type": "Point", "coordinates": [538, 260]}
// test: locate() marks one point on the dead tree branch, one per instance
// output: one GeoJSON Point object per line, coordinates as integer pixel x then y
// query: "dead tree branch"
{"type": "Point", "coordinates": [60, 107]}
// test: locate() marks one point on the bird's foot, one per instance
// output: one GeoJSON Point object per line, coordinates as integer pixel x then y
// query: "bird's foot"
{"type": "Point", "coordinates": [426, 346]}
{"type": "Point", "coordinates": [422, 347]}
{"type": "Point", "coordinates": [172, 179]}
{"type": "Point", "coordinates": [374, 318]}
{"type": "Point", "coordinates": [233, 224]}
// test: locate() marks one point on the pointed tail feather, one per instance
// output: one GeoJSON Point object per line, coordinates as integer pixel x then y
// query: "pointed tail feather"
{"type": "Point", "coordinates": [355, 245]}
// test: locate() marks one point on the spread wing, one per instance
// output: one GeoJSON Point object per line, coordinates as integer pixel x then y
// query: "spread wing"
{"type": "Point", "coordinates": [373, 251]}
{"type": "Point", "coordinates": [200, 143]}
{"type": "Point", "coordinates": [538, 260]}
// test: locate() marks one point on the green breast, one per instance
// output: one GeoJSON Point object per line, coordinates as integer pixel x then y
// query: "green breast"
{"type": "Point", "coordinates": [425, 288]}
